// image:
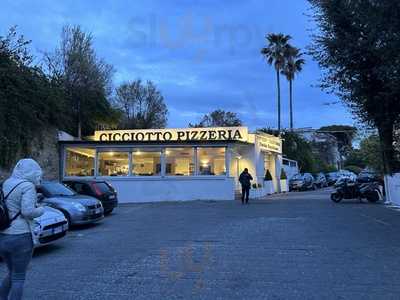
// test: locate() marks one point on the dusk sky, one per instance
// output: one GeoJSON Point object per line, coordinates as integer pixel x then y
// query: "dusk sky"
{"type": "Point", "coordinates": [203, 55]}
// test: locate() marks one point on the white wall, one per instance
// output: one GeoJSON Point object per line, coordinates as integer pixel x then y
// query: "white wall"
{"type": "Point", "coordinates": [173, 189]}
{"type": "Point", "coordinates": [290, 171]}
{"type": "Point", "coordinates": [393, 188]}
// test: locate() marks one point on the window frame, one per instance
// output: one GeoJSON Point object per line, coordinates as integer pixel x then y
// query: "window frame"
{"type": "Point", "coordinates": [226, 150]}
{"type": "Point", "coordinates": [107, 150]}
{"type": "Point", "coordinates": [65, 162]}
{"type": "Point", "coordinates": [152, 148]}
{"type": "Point", "coordinates": [194, 161]}
{"type": "Point", "coordinates": [146, 149]}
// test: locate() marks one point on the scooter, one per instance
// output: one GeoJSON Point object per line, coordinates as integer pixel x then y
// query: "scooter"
{"type": "Point", "coordinates": [352, 190]}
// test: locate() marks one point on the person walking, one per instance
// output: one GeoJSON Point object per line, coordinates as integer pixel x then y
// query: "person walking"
{"type": "Point", "coordinates": [245, 180]}
{"type": "Point", "coordinates": [16, 244]}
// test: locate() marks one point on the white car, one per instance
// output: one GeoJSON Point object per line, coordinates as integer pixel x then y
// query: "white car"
{"type": "Point", "coordinates": [49, 227]}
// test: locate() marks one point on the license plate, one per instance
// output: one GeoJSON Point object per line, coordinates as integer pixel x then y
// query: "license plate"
{"type": "Point", "coordinates": [97, 211]}
{"type": "Point", "coordinates": [111, 197]}
{"type": "Point", "coordinates": [58, 230]}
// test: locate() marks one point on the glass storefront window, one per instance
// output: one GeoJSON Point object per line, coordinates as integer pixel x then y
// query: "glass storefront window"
{"type": "Point", "coordinates": [179, 161]}
{"type": "Point", "coordinates": [113, 163]}
{"type": "Point", "coordinates": [146, 162]}
{"type": "Point", "coordinates": [211, 161]}
{"type": "Point", "coordinates": [79, 161]}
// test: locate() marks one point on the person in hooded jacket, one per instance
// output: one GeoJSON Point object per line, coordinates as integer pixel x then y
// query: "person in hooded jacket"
{"type": "Point", "coordinates": [16, 244]}
{"type": "Point", "coordinates": [245, 180]}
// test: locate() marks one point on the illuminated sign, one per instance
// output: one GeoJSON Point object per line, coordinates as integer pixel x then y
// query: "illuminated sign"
{"type": "Point", "coordinates": [272, 144]}
{"type": "Point", "coordinates": [168, 135]}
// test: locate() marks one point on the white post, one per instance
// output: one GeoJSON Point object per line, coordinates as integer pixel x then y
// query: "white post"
{"type": "Point", "coordinates": [388, 199]}
{"type": "Point", "coordinates": [196, 162]}
{"type": "Point", "coordinates": [96, 163]}
{"type": "Point", "coordinates": [163, 162]}
{"type": "Point", "coordinates": [278, 167]}
{"type": "Point", "coordinates": [130, 163]}
{"type": "Point", "coordinates": [228, 158]}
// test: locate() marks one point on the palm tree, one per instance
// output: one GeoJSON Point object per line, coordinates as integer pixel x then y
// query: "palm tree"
{"type": "Point", "coordinates": [274, 53]}
{"type": "Point", "coordinates": [294, 65]}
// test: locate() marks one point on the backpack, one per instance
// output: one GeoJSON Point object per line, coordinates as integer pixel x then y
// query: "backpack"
{"type": "Point", "coordinates": [5, 220]}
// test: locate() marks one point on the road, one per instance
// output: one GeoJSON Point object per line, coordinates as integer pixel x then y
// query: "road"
{"type": "Point", "coordinates": [292, 246]}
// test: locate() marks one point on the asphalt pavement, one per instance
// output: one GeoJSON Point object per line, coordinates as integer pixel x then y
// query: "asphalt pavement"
{"type": "Point", "coordinates": [291, 246]}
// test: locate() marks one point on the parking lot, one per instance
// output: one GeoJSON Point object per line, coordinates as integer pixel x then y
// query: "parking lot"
{"type": "Point", "coordinates": [292, 246]}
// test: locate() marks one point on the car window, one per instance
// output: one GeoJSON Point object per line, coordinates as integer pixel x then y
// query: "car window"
{"type": "Point", "coordinates": [78, 187]}
{"type": "Point", "coordinates": [82, 188]}
{"type": "Point", "coordinates": [57, 189]}
{"type": "Point", "coordinates": [103, 187]}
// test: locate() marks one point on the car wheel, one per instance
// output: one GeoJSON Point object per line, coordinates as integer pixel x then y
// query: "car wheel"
{"type": "Point", "coordinates": [68, 217]}
{"type": "Point", "coordinates": [373, 197]}
{"type": "Point", "coordinates": [108, 212]}
{"type": "Point", "coordinates": [336, 197]}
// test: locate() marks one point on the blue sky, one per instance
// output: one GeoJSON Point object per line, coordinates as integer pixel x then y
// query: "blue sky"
{"type": "Point", "coordinates": [203, 55]}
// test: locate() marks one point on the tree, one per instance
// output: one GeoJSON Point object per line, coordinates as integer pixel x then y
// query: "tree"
{"type": "Point", "coordinates": [371, 152]}
{"type": "Point", "coordinates": [15, 48]}
{"type": "Point", "coordinates": [29, 103]}
{"type": "Point", "coordinates": [368, 155]}
{"type": "Point", "coordinates": [274, 53]}
{"type": "Point", "coordinates": [297, 148]}
{"type": "Point", "coordinates": [355, 158]}
{"type": "Point", "coordinates": [218, 118]}
{"type": "Point", "coordinates": [142, 105]}
{"type": "Point", "coordinates": [294, 65]}
{"type": "Point", "coordinates": [85, 78]}
{"type": "Point", "coordinates": [357, 45]}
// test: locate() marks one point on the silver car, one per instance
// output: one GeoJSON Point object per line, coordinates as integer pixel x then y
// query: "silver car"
{"type": "Point", "coordinates": [78, 209]}
{"type": "Point", "coordinates": [49, 227]}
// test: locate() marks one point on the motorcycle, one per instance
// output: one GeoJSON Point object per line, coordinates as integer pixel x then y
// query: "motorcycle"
{"type": "Point", "coordinates": [352, 190]}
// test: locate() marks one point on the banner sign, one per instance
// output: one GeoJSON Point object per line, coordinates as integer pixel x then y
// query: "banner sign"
{"type": "Point", "coordinates": [272, 144]}
{"type": "Point", "coordinates": [169, 135]}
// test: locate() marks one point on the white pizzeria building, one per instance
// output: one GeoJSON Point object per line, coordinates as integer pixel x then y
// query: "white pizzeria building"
{"type": "Point", "coordinates": [174, 164]}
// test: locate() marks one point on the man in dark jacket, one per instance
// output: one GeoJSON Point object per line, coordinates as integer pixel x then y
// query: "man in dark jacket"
{"type": "Point", "coordinates": [245, 180]}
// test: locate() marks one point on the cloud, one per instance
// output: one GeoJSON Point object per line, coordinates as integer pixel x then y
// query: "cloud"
{"type": "Point", "coordinates": [203, 55]}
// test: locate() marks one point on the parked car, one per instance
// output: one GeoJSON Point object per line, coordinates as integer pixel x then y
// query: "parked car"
{"type": "Point", "coordinates": [320, 180]}
{"type": "Point", "coordinates": [343, 179]}
{"type": "Point", "coordinates": [332, 177]}
{"type": "Point", "coordinates": [101, 190]}
{"type": "Point", "coordinates": [302, 182]}
{"type": "Point", "coordinates": [78, 209]}
{"type": "Point", "coordinates": [348, 174]}
{"type": "Point", "coordinates": [49, 227]}
{"type": "Point", "coordinates": [369, 176]}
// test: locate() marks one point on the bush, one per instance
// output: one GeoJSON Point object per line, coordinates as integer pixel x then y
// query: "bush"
{"type": "Point", "coordinates": [268, 176]}
{"type": "Point", "coordinates": [283, 174]}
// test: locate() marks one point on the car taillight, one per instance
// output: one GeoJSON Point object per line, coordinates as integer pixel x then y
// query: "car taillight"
{"type": "Point", "coordinates": [96, 189]}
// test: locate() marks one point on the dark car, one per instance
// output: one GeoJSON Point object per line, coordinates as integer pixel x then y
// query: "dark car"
{"type": "Point", "coordinates": [302, 182]}
{"type": "Point", "coordinates": [320, 180]}
{"type": "Point", "coordinates": [332, 177]}
{"type": "Point", "coordinates": [101, 190]}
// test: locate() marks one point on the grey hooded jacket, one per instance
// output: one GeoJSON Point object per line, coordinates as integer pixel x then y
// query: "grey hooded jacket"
{"type": "Point", "coordinates": [23, 199]}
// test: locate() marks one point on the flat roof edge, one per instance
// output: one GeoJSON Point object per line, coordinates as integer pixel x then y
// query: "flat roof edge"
{"type": "Point", "coordinates": [88, 142]}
